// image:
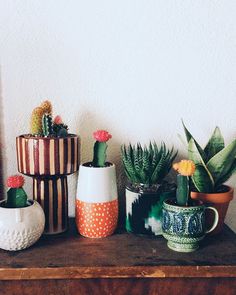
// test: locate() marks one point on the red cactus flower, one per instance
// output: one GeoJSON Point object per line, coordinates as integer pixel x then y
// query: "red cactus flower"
{"type": "Point", "coordinates": [102, 135]}
{"type": "Point", "coordinates": [58, 120]}
{"type": "Point", "coordinates": [15, 181]}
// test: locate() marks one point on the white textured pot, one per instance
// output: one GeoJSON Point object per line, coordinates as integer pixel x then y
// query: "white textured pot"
{"type": "Point", "coordinates": [96, 201]}
{"type": "Point", "coordinates": [20, 227]}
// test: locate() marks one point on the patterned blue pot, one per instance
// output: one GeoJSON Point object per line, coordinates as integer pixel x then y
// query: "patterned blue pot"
{"type": "Point", "coordinates": [184, 227]}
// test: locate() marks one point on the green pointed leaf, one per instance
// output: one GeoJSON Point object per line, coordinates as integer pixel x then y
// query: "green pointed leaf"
{"type": "Point", "coordinates": [215, 144]}
{"type": "Point", "coordinates": [221, 163]}
{"type": "Point", "coordinates": [189, 137]}
{"type": "Point", "coordinates": [225, 177]}
{"type": "Point", "coordinates": [202, 178]}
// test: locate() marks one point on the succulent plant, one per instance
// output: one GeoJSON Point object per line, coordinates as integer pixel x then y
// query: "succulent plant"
{"type": "Point", "coordinates": [36, 121]}
{"type": "Point", "coordinates": [186, 169]}
{"type": "Point", "coordinates": [42, 123]}
{"type": "Point", "coordinates": [47, 125]}
{"type": "Point", "coordinates": [147, 165]}
{"type": "Point", "coordinates": [16, 196]}
{"type": "Point", "coordinates": [215, 164]}
{"type": "Point", "coordinates": [100, 147]}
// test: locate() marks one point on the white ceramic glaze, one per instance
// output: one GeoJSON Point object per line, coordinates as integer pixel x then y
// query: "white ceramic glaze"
{"type": "Point", "coordinates": [97, 184]}
{"type": "Point", "coordinates": [20, 227]}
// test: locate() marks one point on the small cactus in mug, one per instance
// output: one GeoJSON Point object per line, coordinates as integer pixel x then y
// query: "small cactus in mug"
{"type": "Point", "coordinates": [100, 147]}
{"type": "Point", "coordinates": [16, 196]}
{"type": "Point", "coordinates": [186, 169]}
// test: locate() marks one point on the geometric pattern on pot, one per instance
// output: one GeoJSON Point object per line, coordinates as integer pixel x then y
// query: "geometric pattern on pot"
{"type": "Point", "coordinates": [96, 220]}
{"type": "Point", "coordinates": [189, 222]}
{"type": "Point", "coordinates": [38, 156]}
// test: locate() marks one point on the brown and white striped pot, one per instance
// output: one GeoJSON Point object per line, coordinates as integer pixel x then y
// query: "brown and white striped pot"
{"type": "Point", "coordinates": [49, 160]}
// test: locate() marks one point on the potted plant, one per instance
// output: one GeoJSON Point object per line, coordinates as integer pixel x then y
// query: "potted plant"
{"type": "Point", "coordinates": [21, 220]}
{"type": "Point", "coordinates": [97, 200]}
{"type": "Point", "coordinates": [146, 169]}
{"type": "Point", "coordinates": [214, 166]}
{"type": "Point", "coordinates": [183, 221]}
{"type": "Point", "coordinates": [48, 154]}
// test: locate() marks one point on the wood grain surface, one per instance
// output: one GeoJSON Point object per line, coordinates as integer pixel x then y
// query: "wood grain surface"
{"type": "Point", "coordinates": [70, 256]}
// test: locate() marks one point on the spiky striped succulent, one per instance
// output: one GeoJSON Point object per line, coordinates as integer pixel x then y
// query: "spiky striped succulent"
{"type": "Point", "coordinates": [147, 165]}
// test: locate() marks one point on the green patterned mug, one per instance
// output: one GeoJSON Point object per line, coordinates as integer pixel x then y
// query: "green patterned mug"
{"type": "Point", "coordinates": [184, 227]}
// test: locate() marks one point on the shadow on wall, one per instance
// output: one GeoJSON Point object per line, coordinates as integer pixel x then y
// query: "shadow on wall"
{"type": "Point", "coordinates": [88, 123]}
{"type": "Point", "coordinates": [1, 140]}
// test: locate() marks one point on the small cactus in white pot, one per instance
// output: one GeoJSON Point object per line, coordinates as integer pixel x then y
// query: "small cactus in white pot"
{"type": "Point", "coordinates": [97, 200]}
{"type": "Point", "coordinates": [21, 220]}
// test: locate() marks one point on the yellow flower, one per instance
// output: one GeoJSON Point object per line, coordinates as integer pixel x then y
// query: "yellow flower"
{"type": "Point", "coordinates": [185, 167]}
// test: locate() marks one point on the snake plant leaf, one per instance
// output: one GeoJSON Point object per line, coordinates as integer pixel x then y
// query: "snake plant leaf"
{"type": "Point", "coordinates": [202, 178]}
{"type": "Point", "coordinates": [221, 163]}
{"type": "Point", "coordinates": [215, 144]}
{"type": "Point", "coordinates": [189, 137]}
{"type": "Point", "coordinates": [224, 178]}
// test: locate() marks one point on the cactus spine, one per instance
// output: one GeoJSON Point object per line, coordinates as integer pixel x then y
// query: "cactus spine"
{"type": "Point", "coordinates": [99, 154]}
{"type": "Point", "coordinates": [47, 125]}
{"type": "Point", "coordinates": [36, 121]}
{"type": "Point", "coordinates": [47, 107]}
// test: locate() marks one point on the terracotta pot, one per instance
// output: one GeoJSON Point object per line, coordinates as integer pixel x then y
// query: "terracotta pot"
{"type": "Point", "coordinates": [220, 201]}
{"type": "Point", "coordinates": [97, 201]}
{"type": "Point", "coordinates": [49, 160]}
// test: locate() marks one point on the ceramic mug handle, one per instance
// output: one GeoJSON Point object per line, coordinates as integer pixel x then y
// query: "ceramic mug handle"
{"type": "Point", "coordinates": [216, 219]}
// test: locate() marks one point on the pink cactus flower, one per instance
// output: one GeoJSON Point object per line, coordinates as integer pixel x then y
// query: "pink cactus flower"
{"type": "Point", "coordinates": [102, 135]}
{"type": "Point", "coordinates": [58, 120]}
{"type": "Point", "coordinates": [15, 181]}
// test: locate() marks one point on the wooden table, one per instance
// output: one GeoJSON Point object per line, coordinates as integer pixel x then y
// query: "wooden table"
{"type": "Point", "coordinates": [120, 264]}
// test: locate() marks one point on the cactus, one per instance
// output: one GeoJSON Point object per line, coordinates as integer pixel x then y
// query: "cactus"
{"type": "Point", "coordinates": [47, 107]}
{"type": "Point", "coordinates": [16, 196]}
{"type": "Point", "coordinates": [182, 193]}
{"type": "Point", "coordinates": [99, 154]}
{"type": "Point", "coordinates": [36, 121]}
{"type": "Point", "coordinates": [100, 147]}
{"type": "Point", "coordinates": [186, 169]}
{"type": "Point", "coordinates": [60, 130]}
{"type": "Point", "coordinates": [47, 125]}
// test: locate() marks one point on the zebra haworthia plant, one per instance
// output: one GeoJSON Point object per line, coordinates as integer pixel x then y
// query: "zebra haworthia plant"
{"type": "Point", "coordinates": [147, 166]}
{"type": "Point", "coordinates": [214, 164]}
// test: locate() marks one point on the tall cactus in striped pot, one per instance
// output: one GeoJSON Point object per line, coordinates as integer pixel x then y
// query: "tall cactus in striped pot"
{"type": "Point", "coordinates": [48, 154]}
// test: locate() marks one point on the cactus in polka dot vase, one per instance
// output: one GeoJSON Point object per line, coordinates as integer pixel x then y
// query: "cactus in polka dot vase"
{"type": "Point", "coordinates": [21, 220]}
{"type": "Point", "coordinates": [49, 154]}
{"type": "Point", "coordinates": [97, 199]}
{"type": "Point", "coordinates": [183, 219]}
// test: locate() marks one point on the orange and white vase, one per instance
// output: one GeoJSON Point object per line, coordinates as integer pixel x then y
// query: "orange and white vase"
{"type": "Point", "coordinates": [96, 201]}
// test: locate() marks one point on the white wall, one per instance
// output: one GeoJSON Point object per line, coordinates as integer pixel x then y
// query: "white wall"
{"type": "Point", "coordinates": [132, 67]}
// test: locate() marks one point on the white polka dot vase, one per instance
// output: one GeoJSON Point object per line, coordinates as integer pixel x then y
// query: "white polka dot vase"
{"type": "Point", "coordinates": [97, 201]}
{"type": "Point", "coordinates": [20, 228]}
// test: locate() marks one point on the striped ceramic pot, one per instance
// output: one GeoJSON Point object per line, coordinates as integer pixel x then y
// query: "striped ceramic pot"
{"type": "Point", "coordinates": [49, 160]}
{"type": "Point", "coordinates": [97, 201]}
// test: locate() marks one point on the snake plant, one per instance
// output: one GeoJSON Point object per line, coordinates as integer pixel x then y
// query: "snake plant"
{"type": "Point", "coordinates": [214, 164]}
{"type": "Point", "coordinates": [147, 166]}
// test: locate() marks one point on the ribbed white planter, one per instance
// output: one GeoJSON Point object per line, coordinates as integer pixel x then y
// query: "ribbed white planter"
{"type": "Point", "coordinates": [20, 227]}
{"type": "Point", "coordinates": [96, 201]}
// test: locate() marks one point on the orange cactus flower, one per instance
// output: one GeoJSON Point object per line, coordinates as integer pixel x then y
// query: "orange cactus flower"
{"type": "Point", "coordinates": [185, 167]}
